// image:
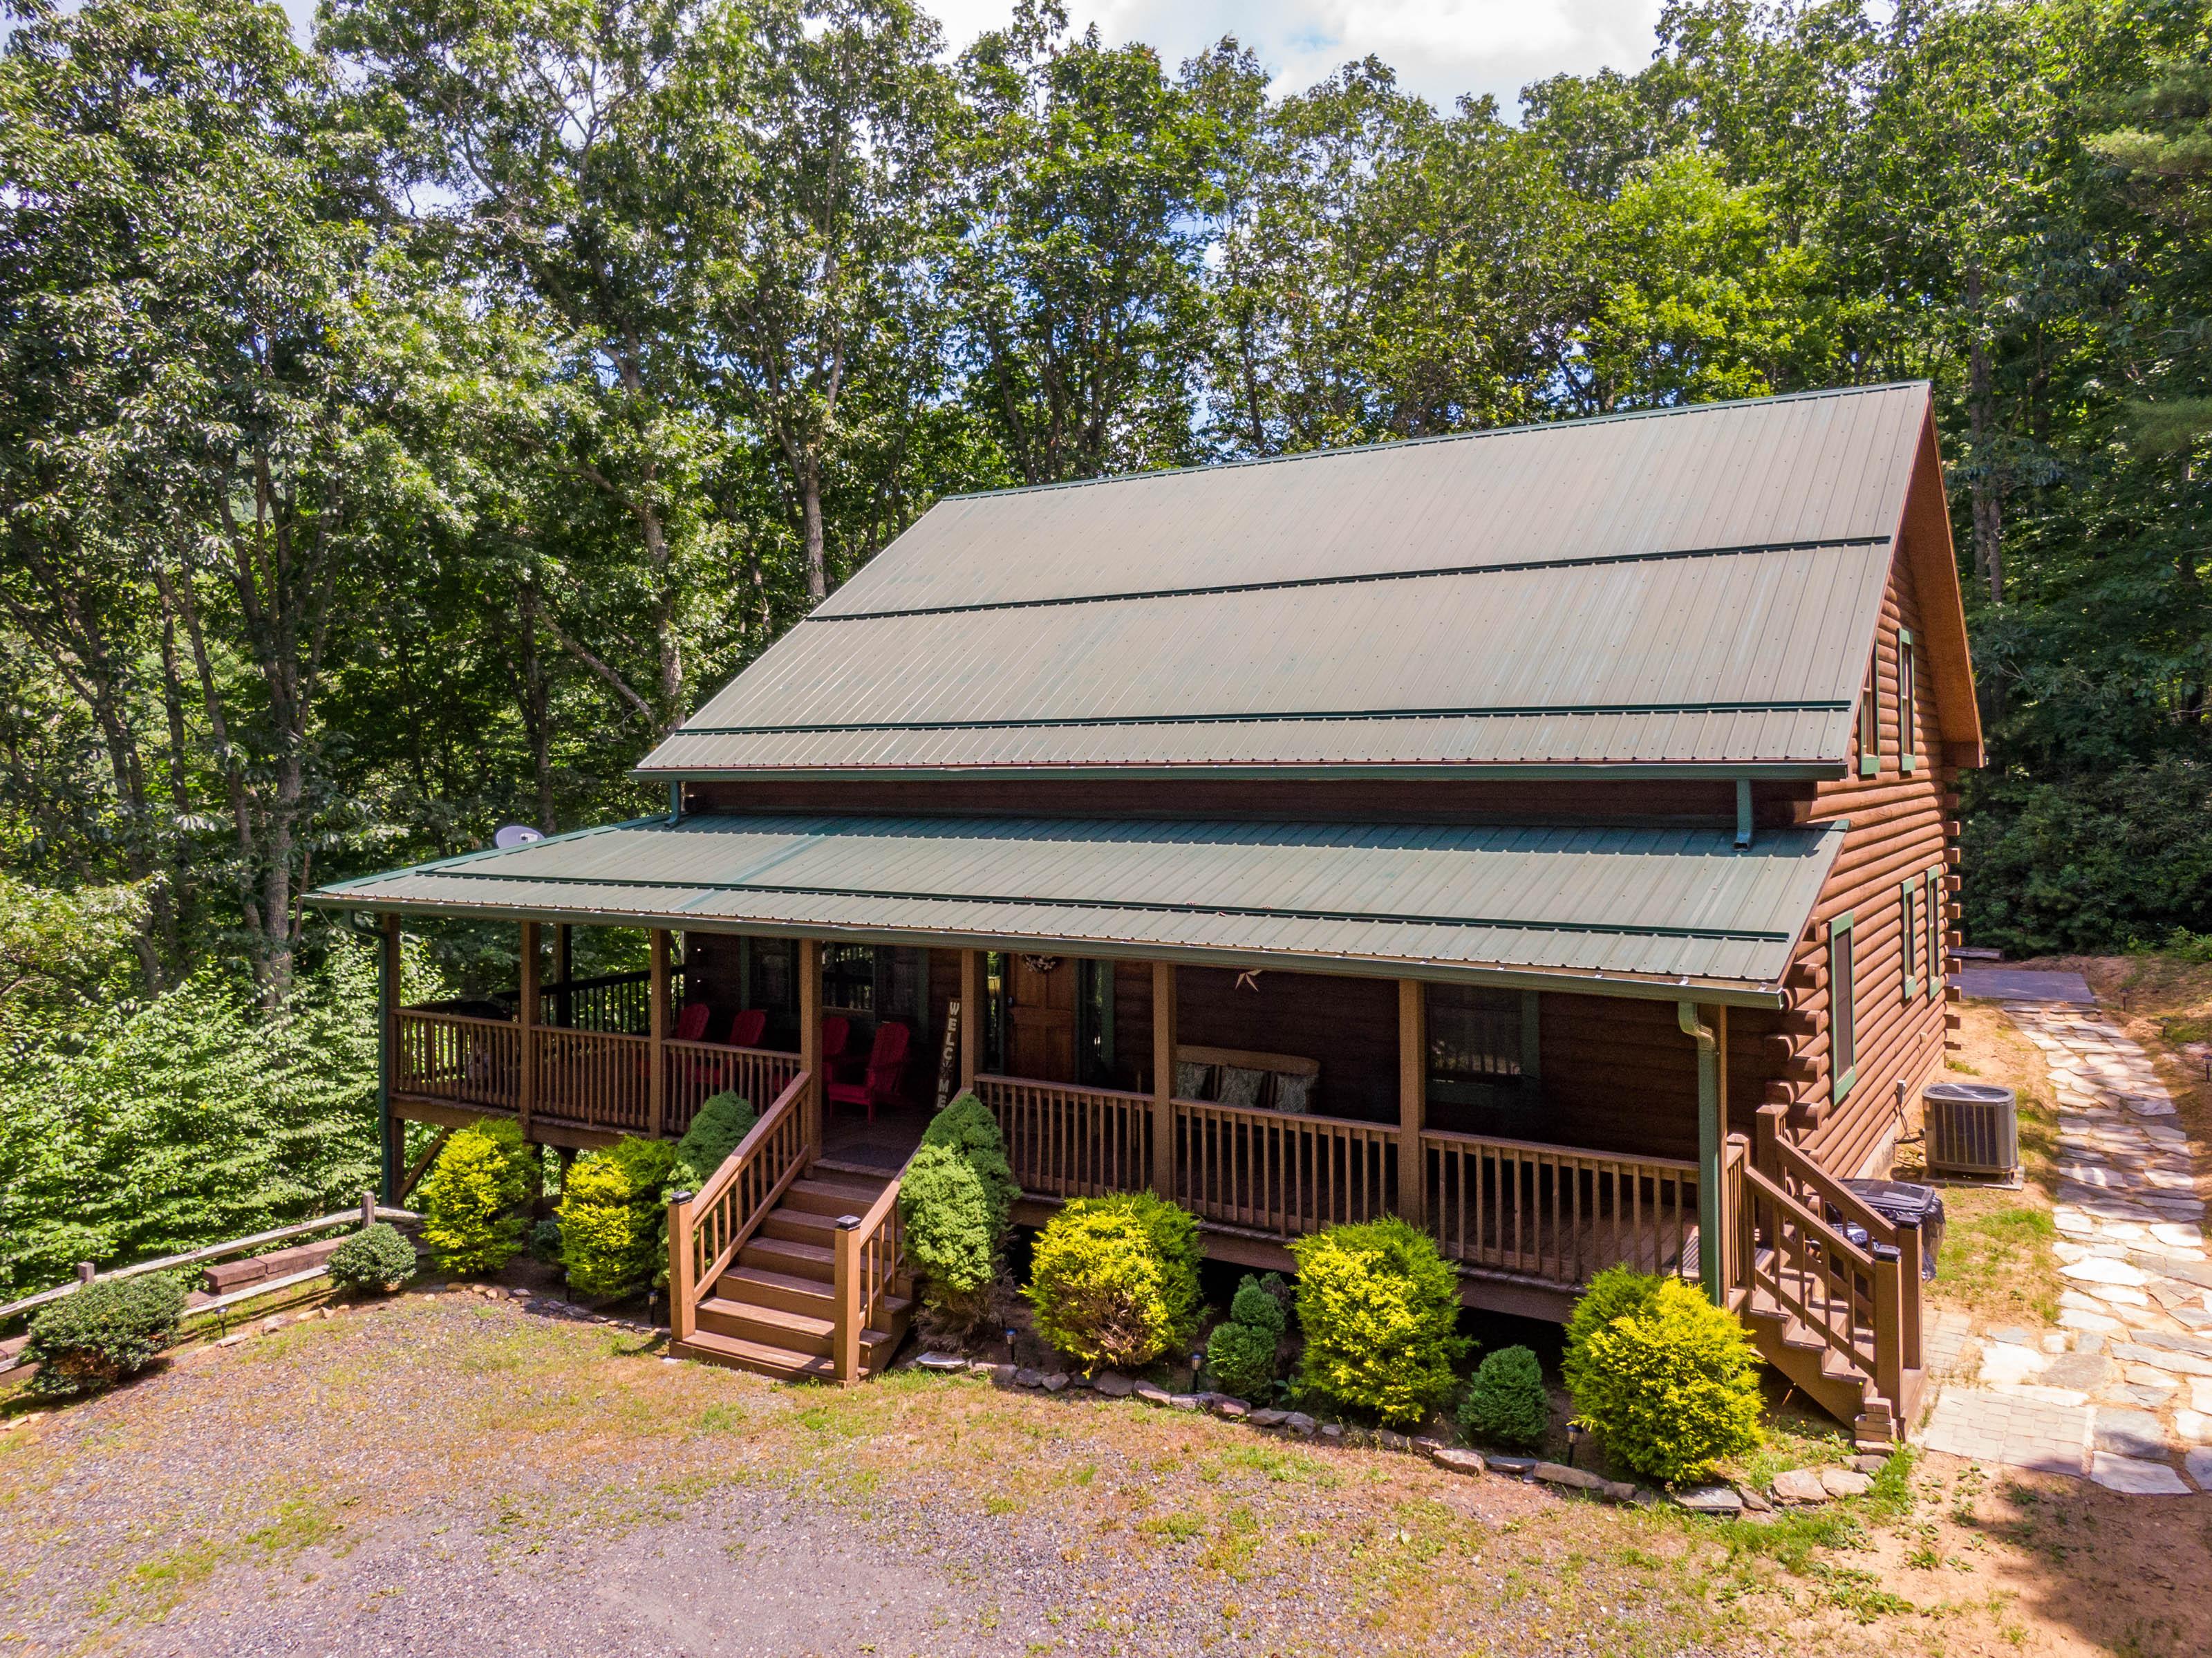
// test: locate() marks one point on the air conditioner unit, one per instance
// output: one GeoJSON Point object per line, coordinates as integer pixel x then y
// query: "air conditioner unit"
{"type": "Point", "coordinates": [1973, 1129]}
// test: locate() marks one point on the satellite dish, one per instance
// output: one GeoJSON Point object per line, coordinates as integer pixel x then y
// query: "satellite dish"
{"type": "Point", "coordinates": [516, 834]}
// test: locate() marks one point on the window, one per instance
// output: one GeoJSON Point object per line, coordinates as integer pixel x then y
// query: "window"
{"type": "Point", "coordinates": [848, 977]}
{"type": "Point", "coordinates": [1908, 706]}
{"type": "Point", "coordinates": [1908, 934]}
{"type": "Point", "coordinates": [1869, 726]}
{"type": "Point", "coordinates": [1482, 1045]}
{"type": "Point", "coordinates": [1843, 1010]}
{"type": "Point", "coordinates": [765, 978]}
{"type": "Point", "coordinates": [1935, 907]}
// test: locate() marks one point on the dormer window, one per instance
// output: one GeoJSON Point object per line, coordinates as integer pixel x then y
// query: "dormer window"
{"type": "Point", "coordinates": [1869, 726]}
{"type": "Point", "coordinates": [1908, 708]}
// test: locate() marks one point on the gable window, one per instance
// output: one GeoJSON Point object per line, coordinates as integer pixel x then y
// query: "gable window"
{"type": "Point", "coordinates": [1869, 726]}
{"type": "Point", "coordinates": [1843, 1010]}
{"type": "Point", "coordinates": [1482, 1045]}
{"type": "Point", "coordinates": [1908, 706]}
{"type": "Point", "coordinates": [1908, 933]}
{"type": "Point", "coordinates": [1935, 932]}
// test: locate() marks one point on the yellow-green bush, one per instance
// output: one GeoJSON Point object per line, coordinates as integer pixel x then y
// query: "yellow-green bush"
{"type": "Point", "coordinates": [1380, 1309]}
{"type": "Point", "coordinates": [1114, 1280]}
{"type": "Point", "coordinates": [1667, 1379]}
{"type": "Point", "coordinates": [473, 1197]}
{"type": "Point", "coordinates": [612, 1222]}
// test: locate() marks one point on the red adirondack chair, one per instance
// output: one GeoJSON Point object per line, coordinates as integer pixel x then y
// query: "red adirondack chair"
{"type": "Point", "coordinates": [746, 1028]}
{"type": "Point", "coordinates": [836, 1033]}
{"type": "Point", "coordinates": [691, 1023]}
{"type": "Point", "coordinates": [879, 1085]}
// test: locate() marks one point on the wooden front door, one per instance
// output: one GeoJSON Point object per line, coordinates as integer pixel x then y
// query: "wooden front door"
{"type": "Point", "coordinates": [1041, 1018]}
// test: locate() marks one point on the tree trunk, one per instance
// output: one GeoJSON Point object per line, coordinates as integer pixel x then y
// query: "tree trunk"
{"type": "Point", "coordinates": [810, 492]}
{"type": "Point", "coordinates": [1986, 490]}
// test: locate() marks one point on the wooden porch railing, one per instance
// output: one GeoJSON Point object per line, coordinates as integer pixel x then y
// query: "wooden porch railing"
{"type": "Point", "coordinates": [1065, 1142]}
{"type": "Point", "coordinates": [456, 1057]}
{"type": "Point", "coordinates": [601, 1079]}
{"type": "Point", "coordinates": [1287, 1172]}
{"type": "Point", "coordinates": [707, 1227]}
{"type": "Point", "coordinates": [621, 1004]}
{"type": "Point", "coordinates": [699, 1070]}
{"type": "Point", "coordinates": [868, 1264]}
{"type": "Point", "coordinates": [1557, 1214]}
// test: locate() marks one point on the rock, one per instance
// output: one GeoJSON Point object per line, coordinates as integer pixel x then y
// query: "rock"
{"type": "Point", "coordinates": [1114, 1384]}
{"type": "Point", "coordinates": [1454, 1461]}
{"type": "Point", "coordinates": [2135, 1352]}
{"type": "Point", "coordinates": [2130, 1433]}
{"type": "Point", "coordinates": [1001, 1375]}
{"type": "Point", "coordinates": [1557, 1473]}
{"type": "Point", "coordinates": [1752, 1502]}
{"type": "Point", "coordinates": [1152, 1392]}
{"type": "Point", "coordinates": [1426, 1447]}
{"type": "Point", "coordinates": [2099, 1268]}
{"type": "Point", "coordinates": [2014, 1336]}
{"type": "Point", "coordinates": [1874, 1464]}
{"type": "Point", "coordinates": [1299, 1422]}
{"type": "Point", "coordinates": [1519, 1467]}
{"type": "Point", "coordinates": [2083, 1372]}
{"type": "Point", "coordinates": [1025, 1377]}
{"type": "Point", "coordinates": [1620, 1490]}
{"type": "Point", "coordinates": [2001, 1364]}
{"type": "Point", "coordinates": [1054, 1382]}
{"type": "Point", "coordinates": [1394, 1441]}
{"type": "Point", "coordinates": [273, 1322]}
{"type": "Point", "coordinates": [1186, 1401]}
{"type": "Point", "coordinates": [1796, 1486]}
{"type": "Point", "coordinates": [517, 1294]}
{"type": "Point", "coordinates": [233, 1339]}
{"type": "Point", "coordinates": [1844, 1482]}
{"type": "Point", "coordinates": [2135, 1478]}
{"type": "Point", "coordinates": [1269, 1418]}
{"type": "Point", "coordinates": [942, 1363]}
{"type": "Point", "coordinates": [1710, 1499]}
{"type": "Point", "coordinates": [1333, 1430]}
{"type": "Point", "coordinates": [2199, 1464]}
{"type": "Point", "coordinates": [1232, 1410]}
{"type": "Point", "coordinates": [2150, 1375]}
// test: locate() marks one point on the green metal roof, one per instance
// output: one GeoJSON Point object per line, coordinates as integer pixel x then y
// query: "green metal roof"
{"type": "Point", "coordinates": [1687, 589]}
{"type": "Point", "coordinates": [1636, 910]}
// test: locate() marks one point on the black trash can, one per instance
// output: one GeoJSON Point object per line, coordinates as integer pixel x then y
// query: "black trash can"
{"type": "Point", "coordinates": [1907, 1203]}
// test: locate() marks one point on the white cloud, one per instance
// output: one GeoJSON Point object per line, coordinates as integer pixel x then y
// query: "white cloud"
{"type": "Point", "coordinates": [1440, 48]}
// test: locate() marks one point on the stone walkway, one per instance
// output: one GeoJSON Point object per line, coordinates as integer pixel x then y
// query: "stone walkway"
{"type": "Point", "coordinates": [2121, 1390]}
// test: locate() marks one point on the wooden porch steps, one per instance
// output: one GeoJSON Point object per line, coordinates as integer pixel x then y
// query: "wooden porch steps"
{"type": "Point", "coordinates": [1846, 1391]}
{"type": "Point", "coordinates": [774, 1311]}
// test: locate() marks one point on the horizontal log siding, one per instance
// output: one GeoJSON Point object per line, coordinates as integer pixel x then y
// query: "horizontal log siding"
{"type": "Point", "coordinates": [1618, 1075]}
{"type": "Point", "coordinates": [1899, 828]}
{"type": "Point", "coordinates": [1349, 1025]}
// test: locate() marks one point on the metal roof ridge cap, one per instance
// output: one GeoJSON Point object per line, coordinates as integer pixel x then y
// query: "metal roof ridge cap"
{"type": "Point", "coordinates": [1525, 426]}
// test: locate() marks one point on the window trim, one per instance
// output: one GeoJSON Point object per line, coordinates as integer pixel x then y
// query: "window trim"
{"type": "Point", "coordinates": [1908, 891]}
{"type": "Point", "coordinates": [1843, 942]}
{"type": "Point", "coordinates": [1935, 924]}
{"type": "Point", "coordinates": [1870, 721]}
{"type": "Point", "coordinates": [1908, 704]}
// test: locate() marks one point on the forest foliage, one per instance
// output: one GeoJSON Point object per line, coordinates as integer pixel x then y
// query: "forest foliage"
{"type": "Point", "coordinates": [402, 426]}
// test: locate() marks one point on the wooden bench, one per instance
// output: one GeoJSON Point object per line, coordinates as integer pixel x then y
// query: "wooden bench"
{"type": "Point", "coordinates": [1275, 1066]}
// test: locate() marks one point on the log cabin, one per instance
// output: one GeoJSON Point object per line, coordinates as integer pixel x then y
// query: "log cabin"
{"type": "Point", "coordinates": [1546, 835]}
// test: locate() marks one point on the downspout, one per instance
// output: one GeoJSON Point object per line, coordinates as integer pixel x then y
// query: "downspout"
{"type": "Point", "coordinates": [676, 800]}
{"type": "Point", "coordinates": [1742, 814]}
{"type": "Point", "coordinates": [1709, 1148]}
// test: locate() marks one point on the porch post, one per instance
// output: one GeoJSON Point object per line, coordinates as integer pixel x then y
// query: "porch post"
{"type": "Point", "coordinates": [810, 1042]}
{"type": "Point", "coordinates": [657, 1033]}
{"type": "Point", "coordinates": [564, 969]}
{"type": "Point", "coordinates": [971, 1017]}
{"type": "Point", "coordinates": [391, 1136]}
{"type": "Point", "coordinates": [1412, 1085]}
{"type": "Point", "coordinates": [1710, 1247]}
{"type": "Point", "coordinates": [1164, 1047]}
{"type": "Point", "coordinates": [526, 1019]}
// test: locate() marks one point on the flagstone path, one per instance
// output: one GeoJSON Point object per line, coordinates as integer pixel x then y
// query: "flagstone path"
{"type": "Point", "coordinates": [2121, 1391]}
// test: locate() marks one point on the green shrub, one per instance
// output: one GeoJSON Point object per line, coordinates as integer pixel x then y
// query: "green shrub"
{"type": "Point", "coordinates": [1241, 1354]}
{"type": "Point", "coordinates": [376, 1258]}
{"type": "Point", "coordinates": [723, 1120]}
{"type": "Point", "coordinates": [93, 1338]}
{"type": "Point", "coordinates": [1114, 1280]}
{"type": "Point", "coordinates": [472, 1197]}
{"type": "Point", "coordinates": [1258, 1302]}
{"type": "Point", "coordinates": [1506, 1402]}
{"type": "Point", "coordinates": [1380, 1309]}
{"type": "Point", "coordinates": [545, 1241]}
{"type": "Point", "coordinates": [1672, 1382]}
{"type": "Point", "coordinates": [612, 1221]}
{"type": "Point", "coordinates": [953, 1233]}
{"type": "Point", "coordinates": [1618, 1292]}
{"type": "Point", "coordinates": [967, 1126]}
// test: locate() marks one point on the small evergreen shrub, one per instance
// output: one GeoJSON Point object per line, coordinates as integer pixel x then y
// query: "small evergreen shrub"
{"type": "Point", "coordinates": [1114, 1280]}
{"type": "Point", "coordinates": [1506, 1403]}
{"type": "Point", "coordinates": [94, 1337]}
{"type": "Point", "coordinates": [722, 1120]}
{"type": "Point", "coordinates": [1380, 1309]}
{"type": "Point", "coordinates": [612, 1222]}
{"type": "Point", "coordinates": [967, 1126]}
{"type": "Point", "coordinates": [473, 1197]}
{"type": "Point", "coordinates": [1240, 1353]}
{"type": "Point", "coordinates": [545, 1241]}
{"type": "Point", "coordinates": [1672, 1382]}
{"type": "Point", "coordinates": [376, 1259]}
{"type": "Point", "coordinates": [953, 1231]}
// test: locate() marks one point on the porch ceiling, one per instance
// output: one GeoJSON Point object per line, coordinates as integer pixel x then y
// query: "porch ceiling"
{"type": "Point", "coordinates": [1629, 911]}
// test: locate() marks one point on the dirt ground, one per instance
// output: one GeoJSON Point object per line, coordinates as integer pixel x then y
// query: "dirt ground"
{"type": "Point", "coordinates": [441, 1473]}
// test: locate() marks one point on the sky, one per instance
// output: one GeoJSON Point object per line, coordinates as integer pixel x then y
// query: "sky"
{"type": "Point", "coordinates": [1440, 48]}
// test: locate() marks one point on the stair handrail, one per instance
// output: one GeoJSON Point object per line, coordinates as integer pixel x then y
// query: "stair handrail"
{"type": "Point", "coordinates": [1845, 1260]}
{"type": "Point", "coordinates": [870, 1258]}
{"type": "Point", "coordinates": [709, 1227]}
